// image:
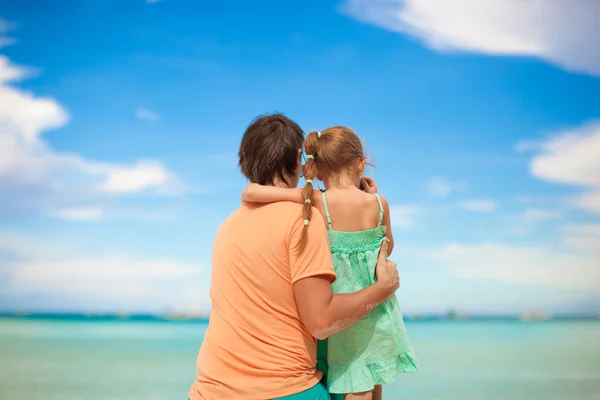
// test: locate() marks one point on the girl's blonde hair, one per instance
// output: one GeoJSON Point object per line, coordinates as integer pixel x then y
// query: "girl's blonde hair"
{"type": "Point", "coordinates": [328, 151]}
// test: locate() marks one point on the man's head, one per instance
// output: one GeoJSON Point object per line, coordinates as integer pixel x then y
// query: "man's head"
{"type": "Point", "coordinates": [270, 150]}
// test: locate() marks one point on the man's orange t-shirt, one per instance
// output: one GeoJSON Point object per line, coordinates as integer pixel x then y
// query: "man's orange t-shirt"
{"type": "Point", "coordinates": [256, 346]}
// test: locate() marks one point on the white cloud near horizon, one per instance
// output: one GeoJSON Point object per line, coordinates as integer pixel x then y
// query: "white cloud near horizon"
{"type": "Point", "coordinates": [562, 32]}
{"type": "Point", "coordinates": [478, 205]}
{"type": "Point", "coordinates": [570, 157]}
{"type": "Point", "coordinates": [585, 237]}
{"type": "Point", "coordinates": [535, 265]}
{"type": "Point", "coordinates": [36, 177]}
{"type": "Point", "coordinates": [99, 281]}
{"type": "Point", "coordinates": [589, 201]}
{"type": "Point", "coordinates": [146, 114]}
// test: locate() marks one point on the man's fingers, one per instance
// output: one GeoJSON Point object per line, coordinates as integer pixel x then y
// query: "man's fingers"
{"type": "Point", "coordinates": [383, 251]}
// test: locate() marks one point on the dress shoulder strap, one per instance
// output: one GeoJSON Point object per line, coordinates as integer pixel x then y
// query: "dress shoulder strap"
{"type": "Point", "coordinates": [380, 209]}
{"type": "Point", "coordinates": [326, 211]}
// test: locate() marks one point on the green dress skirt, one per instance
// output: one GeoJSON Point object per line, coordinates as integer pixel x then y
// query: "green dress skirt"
{"type": "Point", "coordinates": [376, 349]}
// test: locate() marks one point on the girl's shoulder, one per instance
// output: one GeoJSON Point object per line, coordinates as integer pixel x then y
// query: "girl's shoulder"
{"type": "Point", "coordinates": [381, 197]}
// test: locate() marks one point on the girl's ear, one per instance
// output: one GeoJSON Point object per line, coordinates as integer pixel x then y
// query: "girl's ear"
{"type": "Point", "coordinates": [361, 166]}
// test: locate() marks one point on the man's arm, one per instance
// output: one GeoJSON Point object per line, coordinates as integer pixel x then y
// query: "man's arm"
{"type": "Point", "coordinates": [323, 312]}
{"type": "Point", "coordinates": [387, 222]}
{"type": "Point", "coordinates": [255, 193]}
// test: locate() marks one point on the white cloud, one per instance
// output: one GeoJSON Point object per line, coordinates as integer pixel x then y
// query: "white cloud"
{"type": "Point", "coordinates": [22, 245]}
{"type": "Point", "coordinates": [589, 201]}
{"type": "Point", "coordinates": [527, 145]}
{"type": "Point", "coordinates": [479, 205]}
{"type": "Point", "coordinates": [80, 214]}
{"type": "Point", "coordinates": [439, 186]}
{"type": "Point", "coordinates": [5, 41]}
{"type": "Point", "coordinates": [136, 178]}
{"type": "Point", "coordinates": [147, 114]}
{"type": "Point", "coordinates": [521, 265]}
{"type": "Point", "coordinates": [562, 32]}
{"type": "Point", "coordinates": [584, 237]}
{"type": "Point", "coordinates": [99, 281]}
{"type": "Point", "coordinates": [570, 157]}
{"type": "Point", "coordinates": [35, 177]}
{"type": "Point", "coordinates": [538, 214]}
{"type": "Point", "coordinates": [9, 72]}
{"type": "Point", "coordinates": [5, 26]}
{"type": "Point", "coordinates": [402, 216]}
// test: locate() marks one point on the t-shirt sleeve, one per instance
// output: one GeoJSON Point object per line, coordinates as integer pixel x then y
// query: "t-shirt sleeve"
{"type": "Point", "coordinates": [314, 258]}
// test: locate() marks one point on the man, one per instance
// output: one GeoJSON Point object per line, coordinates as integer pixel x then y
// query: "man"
{"type": "Point", "coordinates": [270, 297]}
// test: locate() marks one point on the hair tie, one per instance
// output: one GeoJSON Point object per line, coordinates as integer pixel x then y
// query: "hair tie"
{"type": "Point", "coordinates": [306, 222]}
{"type": "Point", "coordinates": [309, 181]}
{"type": "Point", "coordinates": [310, 157]}
{"type": "Point", "coordinates": [307, 201]}
{"type": "Point", "coordinates": [318, 135]}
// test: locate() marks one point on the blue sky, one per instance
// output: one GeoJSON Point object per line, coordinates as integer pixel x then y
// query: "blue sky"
{"type": "Point", "coordinates": [120, 121]}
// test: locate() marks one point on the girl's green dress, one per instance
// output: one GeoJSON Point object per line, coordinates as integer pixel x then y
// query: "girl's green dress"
{"type": "Point", "coordinates": [376, 349]}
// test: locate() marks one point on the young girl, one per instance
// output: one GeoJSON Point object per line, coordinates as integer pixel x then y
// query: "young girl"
{"type": "Point", "coordinates": [358, 360]}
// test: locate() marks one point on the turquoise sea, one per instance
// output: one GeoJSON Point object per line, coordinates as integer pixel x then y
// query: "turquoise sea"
{"type": "Point", "coordinates": [460, 360]}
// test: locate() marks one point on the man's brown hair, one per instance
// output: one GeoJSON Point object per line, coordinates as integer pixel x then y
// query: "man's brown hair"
{"type": "Point", "coordinates": [269, 149]}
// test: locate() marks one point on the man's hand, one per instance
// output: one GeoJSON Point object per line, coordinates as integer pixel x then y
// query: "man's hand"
{"type": "Point", "coordinates": [324, 313]}
{"type": "Point", "coordinates": [368, 185]}
{"type": "Point", "coordinates": [386, 272]}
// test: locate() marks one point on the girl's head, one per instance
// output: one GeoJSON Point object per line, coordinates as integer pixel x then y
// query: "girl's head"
{"type": "Point", "coordinates": [334, 156]}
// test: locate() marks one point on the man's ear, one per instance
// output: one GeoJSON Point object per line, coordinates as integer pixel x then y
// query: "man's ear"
{"type": "Point", "coordinates": [299, 159]}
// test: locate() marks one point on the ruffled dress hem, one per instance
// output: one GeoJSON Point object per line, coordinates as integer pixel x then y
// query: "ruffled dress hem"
{"type": "Point", "coordinates": [364, 377]}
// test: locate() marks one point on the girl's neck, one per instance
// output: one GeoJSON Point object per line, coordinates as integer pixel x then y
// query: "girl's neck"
{"type": "Point", "coordinates": [341, 182]}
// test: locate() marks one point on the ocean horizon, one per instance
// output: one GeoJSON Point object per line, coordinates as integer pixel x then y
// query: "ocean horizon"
{"type": "Point", "coordinates": [116, 358]}
{"type": "Point", "coordinates": [190, 317]}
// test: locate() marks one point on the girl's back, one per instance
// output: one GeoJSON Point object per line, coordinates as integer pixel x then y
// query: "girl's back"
{"type": "Point", "coordinates": [376, 349]}
{"type": "Point", "coordinates": [351, 210]}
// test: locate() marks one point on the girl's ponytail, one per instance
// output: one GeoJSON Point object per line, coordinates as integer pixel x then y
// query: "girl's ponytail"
{"type": "Point", "coordinates": [311, 145]}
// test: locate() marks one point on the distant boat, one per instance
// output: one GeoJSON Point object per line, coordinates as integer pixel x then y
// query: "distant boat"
{"type": "Point", "coordinates": [533, 316]}
{"type": "Point", "coordinates": [176, 317]}
{"type": "Point", "coordinates": [122, 315]}
{"type": "Point", "coordinates": [454, 315]}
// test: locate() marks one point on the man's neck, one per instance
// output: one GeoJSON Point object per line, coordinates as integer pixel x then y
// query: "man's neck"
{"type": "Point", "coordinates": [278, 182]}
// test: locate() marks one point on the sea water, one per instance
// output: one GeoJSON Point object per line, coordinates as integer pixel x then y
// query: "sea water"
{"type": "Point", "coordinates": [59, 359]}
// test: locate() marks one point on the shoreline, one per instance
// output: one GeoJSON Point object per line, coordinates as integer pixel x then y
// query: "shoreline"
{"type": "Point", "coordinates": [72, 316]}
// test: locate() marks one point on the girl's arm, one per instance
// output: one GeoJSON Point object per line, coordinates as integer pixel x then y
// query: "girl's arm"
{"type": "Point", "coordinates": [387, 223]}
{"type": "Point", "coordinates": [255, 193]}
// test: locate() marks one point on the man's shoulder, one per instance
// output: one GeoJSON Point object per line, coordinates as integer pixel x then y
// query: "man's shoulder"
{"type": "Point", "coordinates": [284, 207]}
{"type": "Point", "coordinates": [281, 211]}
{"type": "Point", "coordinates": [291, 212]}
